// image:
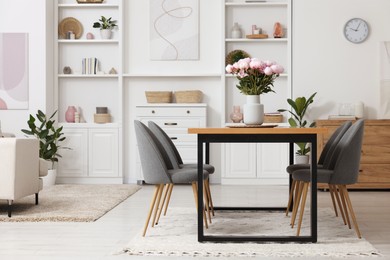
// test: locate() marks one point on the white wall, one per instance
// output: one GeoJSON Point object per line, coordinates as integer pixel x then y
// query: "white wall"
{"type": "Point", "coordinates": [324, 61]}
{"type": "Point", "coordinates": [30, 17]}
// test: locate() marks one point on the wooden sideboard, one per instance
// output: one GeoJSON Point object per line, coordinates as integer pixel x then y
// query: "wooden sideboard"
{"type": "Point", "coordinates": [375, 161]}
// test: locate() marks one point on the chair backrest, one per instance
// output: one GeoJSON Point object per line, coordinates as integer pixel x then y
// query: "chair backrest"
{"type": "Point", "coordinates": [345, 160]}
{"type": "Point", "coordinates": [167, 143]}
{"type": "Point", "coordinates": [154, 162]}
{"type": "Point", "coordinates": [334, 139]}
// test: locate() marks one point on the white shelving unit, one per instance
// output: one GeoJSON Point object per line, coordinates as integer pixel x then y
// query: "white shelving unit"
{"type": "Point", "coordinates": [96, 155]}
{"type": "Point", "coordinates": [256, 163]}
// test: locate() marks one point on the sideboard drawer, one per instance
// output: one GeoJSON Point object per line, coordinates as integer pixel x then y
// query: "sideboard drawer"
{"type": "Point", "coordinates": [170, 111]}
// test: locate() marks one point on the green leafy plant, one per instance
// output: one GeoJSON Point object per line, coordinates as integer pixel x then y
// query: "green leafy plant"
{"type": "Point", "coordinates": [49, 137]}
{"type": "Point", "coordinates": [299, 107]}
{"type": "Point", "coordinates": [105, 23]}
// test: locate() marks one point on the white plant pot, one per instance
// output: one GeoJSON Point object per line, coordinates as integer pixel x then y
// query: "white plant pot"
{"type": "Point", "coordinates": [50, 178]}
{"type": "Point", "coordinates": [253, 111]}
{"type": "Point", "coordinates": [105, 34]}
{"type": "Point", "coordinates": [301, 159]}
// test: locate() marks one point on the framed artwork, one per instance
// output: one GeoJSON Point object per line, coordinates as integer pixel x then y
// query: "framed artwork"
{"type": "Point", "coordinates": [174, 29]}
{"type": "Point", "coordinates": [385, 80]}
{"type": "Point", "coordinates": [13, 71]}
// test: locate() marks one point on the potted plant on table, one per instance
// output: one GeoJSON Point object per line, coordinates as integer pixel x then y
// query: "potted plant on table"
{"type": "Point", "coordinates": [49, 138]}
{"type": "Point", "coordinates": [105, 25]}
{"type": "Point", "coordinates": [299, 107]}
{"type": "Point", "coordinates": [255, 77]}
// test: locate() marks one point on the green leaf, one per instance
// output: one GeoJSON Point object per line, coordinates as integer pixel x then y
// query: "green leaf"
{"type": "Point", "coordinates": [292, 122]}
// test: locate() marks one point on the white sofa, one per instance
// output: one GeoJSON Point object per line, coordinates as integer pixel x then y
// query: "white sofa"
{"type": "Point", "coordinates": [20, 169]}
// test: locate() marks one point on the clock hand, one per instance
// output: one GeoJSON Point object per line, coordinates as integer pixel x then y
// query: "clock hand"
{"type": "Point", "coordinates": [357, 27]}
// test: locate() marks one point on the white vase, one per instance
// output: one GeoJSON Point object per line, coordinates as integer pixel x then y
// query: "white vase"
{"type": "Point", "coordinates": [301, 159]}
{"type": "Point", "coordinates": [50, 178]}
{"type": "Point", "coordinates": [253, 110]}
{"type": "Point", "coordinates": [105, 34]}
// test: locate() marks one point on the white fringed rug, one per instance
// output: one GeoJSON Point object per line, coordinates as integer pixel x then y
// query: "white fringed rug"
{"type": "Point", "coordinates": [176, 235]}
{"type": "Point", "coordinates": [68, 203]}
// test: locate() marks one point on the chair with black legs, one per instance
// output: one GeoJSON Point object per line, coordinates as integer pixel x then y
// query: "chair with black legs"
{"type": "Point", "coordinates": [325, 156]}
{"type": "Point", "coordinates": [158, 170]}
{"type": "Point", "coordinates": [177, 163]}
{"type": "Point", "coordinates": [343, 169]}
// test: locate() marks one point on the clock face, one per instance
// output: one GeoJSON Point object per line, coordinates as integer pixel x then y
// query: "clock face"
{"type": "Point", "coordinates": [356, 30]}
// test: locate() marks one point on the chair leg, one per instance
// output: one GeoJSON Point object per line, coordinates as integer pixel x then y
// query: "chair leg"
{"type": "Point", "coordinates": [349, 203]}
{"type": "Point", "coordinates": [160, 191]}
{"type": "Point", "coordinates": [344, 206]}
{"type": "Point", "coordinates": [209, 196]}
{"type": "Point", "coordinates": [163, 202]}
{"type": "Point", "coordinates": [206, 200]}
{"type": "Point", "coordinates": [195, 191]}
{"type": "Point", "coordinates": [153, 202]}
{"type": "Point", "coordinates": [169, 198]}
{"type": "Point", "coordinates": [9, 207]}
{"type": "Point", "coordinates": [290, 197]}
{"type": "Point", "coordinates": [331, 192]}
{"type": "Point", "coordinates": [303, 202]}
{"type": "Point", "coordinates": [298, 194]}
{"type": "Point", "coordinates": [36, 199]}
{"type": "Point", "coordinates": [336, 194]}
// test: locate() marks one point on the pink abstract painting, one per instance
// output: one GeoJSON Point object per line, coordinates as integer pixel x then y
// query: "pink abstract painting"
{"type": "Point", "coordinates": [13, 71]}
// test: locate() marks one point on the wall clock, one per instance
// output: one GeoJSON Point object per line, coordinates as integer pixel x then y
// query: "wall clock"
{"type": "Point", "coordinates": [356, 30]}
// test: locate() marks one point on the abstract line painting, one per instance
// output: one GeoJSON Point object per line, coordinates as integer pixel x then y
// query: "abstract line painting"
{"type": "Point", "coordinates": [13, 71]}
{"type": "Point", "coordinates": [174, 29]}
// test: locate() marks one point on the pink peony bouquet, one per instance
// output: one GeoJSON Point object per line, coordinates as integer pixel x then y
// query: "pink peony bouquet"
{"type": "Point", "coordinates": [255, 77]}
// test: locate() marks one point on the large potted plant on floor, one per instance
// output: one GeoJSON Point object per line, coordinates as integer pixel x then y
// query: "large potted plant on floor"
{"type": "Point", "coordinates": [49, 138]}
{"type": "Point", "coordinates": [299, 107]}
{"type": "Point", "coordinates": [255, 77]}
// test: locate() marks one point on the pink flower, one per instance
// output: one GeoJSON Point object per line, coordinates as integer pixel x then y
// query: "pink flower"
{"type": "Point", "coordinates": [255, 64]}
{"type": "Point", "coordinates": [243, 64]}
{"type": "Point", "coordinates": [276, 68]}
{"type": "Point", "coordinates": [268, 71]}
{"type": "Point", "coordinates": [229, 68]}
{"type": "Point", "coordinates": [242, 74]}
{"type": "Point", "coordinates": [269, 63]}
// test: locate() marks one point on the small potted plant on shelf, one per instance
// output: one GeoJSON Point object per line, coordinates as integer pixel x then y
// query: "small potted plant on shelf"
{"type": "Point", "coordinates": [299, 107]}
{"type": "Point", "coordinates": [49, 139]}
{"type": "Point", "coordinates": [105, 25]}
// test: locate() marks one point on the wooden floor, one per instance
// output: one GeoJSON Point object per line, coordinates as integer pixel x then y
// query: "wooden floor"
{"type": "Point", "coordinates": [108, 235]}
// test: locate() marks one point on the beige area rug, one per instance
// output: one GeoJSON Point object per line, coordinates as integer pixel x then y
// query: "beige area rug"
{"type": "Point", "coordinates": [68, 203]}
{"type": "Point", "coordinates": [176, 235]}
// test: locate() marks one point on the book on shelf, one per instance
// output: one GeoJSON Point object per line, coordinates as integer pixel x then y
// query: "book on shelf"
{"type": "Point", "coordinates": [341, 117]}
{"type": "Point", "coordinates": [89, 66]}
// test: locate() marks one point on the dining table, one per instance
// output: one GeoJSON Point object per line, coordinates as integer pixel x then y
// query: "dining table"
{"type": "Point", "coordinates": [266, 133]}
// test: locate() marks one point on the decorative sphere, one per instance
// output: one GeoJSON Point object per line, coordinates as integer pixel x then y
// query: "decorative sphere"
{"type": "Point", "coordinates": [90, 36]}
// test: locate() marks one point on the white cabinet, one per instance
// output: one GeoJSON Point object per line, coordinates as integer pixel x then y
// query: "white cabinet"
{"type": "Point", "coordinates": [257, 163]}
{"type": "Point", "coordinates": [174, 119]}
{"type": "Point", "coordinates": [93, 156]}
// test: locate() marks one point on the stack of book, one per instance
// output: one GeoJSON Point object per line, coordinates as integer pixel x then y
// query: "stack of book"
{"type": "Point", "coordinates": [90, 66]}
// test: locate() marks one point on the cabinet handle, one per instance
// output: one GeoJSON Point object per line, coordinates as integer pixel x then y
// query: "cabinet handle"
{"type": "Point", "coordinates": [188, 111]}
{"type": "Point", "coordinates": [173, 138]}
{"type": "Point", "coordinates": [153, 112]}
{"type": "Point", "coordinates": [360, 170]}
{"type": "Point", "coordinates": [170, 123]}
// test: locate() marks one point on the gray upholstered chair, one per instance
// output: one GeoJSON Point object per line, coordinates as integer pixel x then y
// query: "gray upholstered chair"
{"type": "Point", "coordinates": [325, 156]}
{"type": "Point", "coordinates": [177, 163]}
{"type": "Point", "coordinates": [158, 170]}
{"type": "Point", "coordinates": [342, 170]}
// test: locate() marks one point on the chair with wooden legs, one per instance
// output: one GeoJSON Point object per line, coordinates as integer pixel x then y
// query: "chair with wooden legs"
{"type": "Point", "coordinates": [324, 159]}
{"type": "Point", "coordinates": [177, 163]}
{"type": "Point", "coordinates": [158, 170]}
{"type": "Point", "coordinates": [343, 170]}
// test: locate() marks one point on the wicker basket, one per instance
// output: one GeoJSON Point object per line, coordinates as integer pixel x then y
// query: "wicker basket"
{"type": "Point", "coordinates": [189, 96]}
{"type": "Point", "coordinates": [273, 118]}
{"type": "Point", "coordinates": [158, 96]}
{"type": "Point", "coordinates": [102, 118]}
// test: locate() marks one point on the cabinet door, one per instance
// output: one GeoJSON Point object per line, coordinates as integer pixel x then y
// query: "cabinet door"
{"type": "Point", "coordinates": [272, 160]}
{"type": "Point", "coordinates": [103, 153]}
{"type": "Point", "coordinates": [240, 161]}
{"type": "Point", "coordinates": [74, 161]}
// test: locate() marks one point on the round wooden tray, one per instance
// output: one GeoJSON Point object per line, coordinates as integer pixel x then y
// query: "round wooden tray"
{"type": "Point", "coordinates": [70, 24]}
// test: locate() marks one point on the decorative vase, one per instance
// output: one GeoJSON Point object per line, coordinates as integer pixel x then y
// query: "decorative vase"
{"type": "Point", "coordinates": [236, 115]}
{"type": "Point", "coordinates": [253, 110]}
{"type": "Point", "coordinates": [69, 114]}
{"type": "Point", "coordinates": [50, 178]}
{"type": "Point", "coordinates": [236, 31]}
{"type": "Point", "coordinates": [301, 159]}
{"type": "Point", "coordinates": [105, 34]}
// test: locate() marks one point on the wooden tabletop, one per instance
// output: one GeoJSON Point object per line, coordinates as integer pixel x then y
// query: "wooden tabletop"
{"type": "Point", "coordinates": [275, 130]}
